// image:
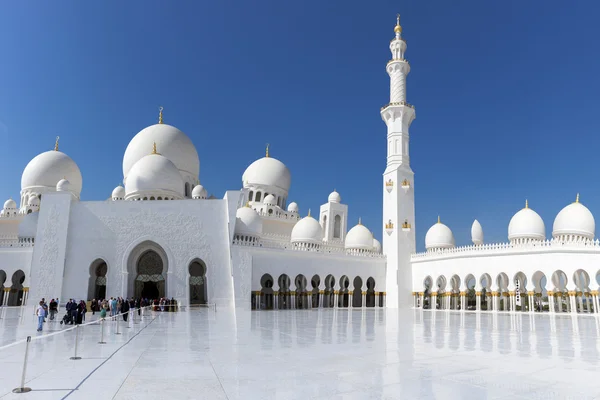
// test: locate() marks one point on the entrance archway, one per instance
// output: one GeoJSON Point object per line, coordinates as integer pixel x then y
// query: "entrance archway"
{"type": "Point", "coordinates": [97, 280]}
{"type": "Point", "coordinates": [147, 266]}
{"type": "Point", "coordinates": [15, 298]}
{"type": "Point", "coordinates": [198, 287]}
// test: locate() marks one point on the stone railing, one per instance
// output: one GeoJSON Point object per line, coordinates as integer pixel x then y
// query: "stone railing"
{"type": "Point", "coordinates": [268, 243]}
{"type": "Point", "coordinates": [563, 243]}
{"type": "Point", "coordinates": [399, 103]}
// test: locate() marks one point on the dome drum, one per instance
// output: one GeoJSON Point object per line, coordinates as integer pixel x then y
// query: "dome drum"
{"type": "Point", "coordinates": [257, 194]}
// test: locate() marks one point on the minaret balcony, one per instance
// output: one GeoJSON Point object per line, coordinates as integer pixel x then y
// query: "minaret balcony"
{"type": "Point", "coordinates": [399, 103]}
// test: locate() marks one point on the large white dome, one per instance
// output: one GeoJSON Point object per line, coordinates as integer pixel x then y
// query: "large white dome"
{"type": "Point", "coordinates": [359, 238]}
{"type": "Point", "coordinates": [307, 230]}
{"type": "Point", "coordinates": [526, 224]}
{"type": "Point", "coordinates": [439, 236]}
{"type": "Point", "coordinates": [476, 233]}
{"type": "Point", "coordinates": [46, 169]}
{"type": "Point", "coordinates": [293, 207]}
{"type": "Point", "coordinates": [172, 143]}
{"type": "Point", "coordinates": [248, 222]}
{"type": "Point", "coordinates": [574, 219]}
{"type": "Point", "coordinates": [268, 171]}
{"type": "Point", "coordinates": [154, 175]}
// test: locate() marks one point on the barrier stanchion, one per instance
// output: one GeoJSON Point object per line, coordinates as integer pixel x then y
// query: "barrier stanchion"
{"type": "Point", "coordinates": [102, 332]}
{"type": "Point", "coordinates": [22, 388]}
{"type": "Point", "coordinates": [75, 357]}
{"type": "Point", "coordinates": [117, 322]}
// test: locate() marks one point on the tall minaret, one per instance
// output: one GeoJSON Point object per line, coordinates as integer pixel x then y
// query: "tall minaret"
{"type": "Point", "coordinates": [398, 182]}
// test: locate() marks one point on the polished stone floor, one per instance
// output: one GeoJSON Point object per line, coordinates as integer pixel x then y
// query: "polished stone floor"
{"type": "Point", "coordinates": [313, 354]}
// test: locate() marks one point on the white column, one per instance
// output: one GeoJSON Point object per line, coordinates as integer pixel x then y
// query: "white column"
{"type": "Point", "coordinates": [364, 299]}
{"type": "Point", "coordinates": [588, 298]}
{"type": "Point", "coordinates": [551, 302]}
{"type": "Point", "coordinates": [572, 302]}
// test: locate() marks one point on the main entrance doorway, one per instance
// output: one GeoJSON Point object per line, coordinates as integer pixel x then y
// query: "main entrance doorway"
{"type": "Point", "coordinates": [149, 282]}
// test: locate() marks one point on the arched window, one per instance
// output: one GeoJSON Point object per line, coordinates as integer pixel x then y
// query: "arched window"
{"type": "Point", "coordinates": [186, 189]}
{"type": "Point", "coordinates": [257, 196]}
{"type": "Point", "coordinates": [337, 226]}
{"type": "Point", "coordinates": [250, 195]}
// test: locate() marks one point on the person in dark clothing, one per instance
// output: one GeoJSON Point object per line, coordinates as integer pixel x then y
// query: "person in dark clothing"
{"type": "Point", "coordinates": [93, 306]}
{"type": "Point", "coordinates": [125, 309]}
{"type": "Point", "coordinates": [53, 308]}
{"type": "Point", "coordinates": [71, 312]}
{"type": "Point", "coordinates": [137, 305]}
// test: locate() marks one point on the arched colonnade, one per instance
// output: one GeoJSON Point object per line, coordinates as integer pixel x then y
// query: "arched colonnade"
{"type": "Point", "coordinates": [329, 292]}
{"type": "Point", "coordinates": [521, 293]}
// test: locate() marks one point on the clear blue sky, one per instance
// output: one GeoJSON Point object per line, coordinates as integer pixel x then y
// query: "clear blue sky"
{"type": "Point", "coordinates": [506, 96]}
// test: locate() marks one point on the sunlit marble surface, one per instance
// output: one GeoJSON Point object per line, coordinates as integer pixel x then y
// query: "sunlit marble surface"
{"type": "Point", "coordinates": [313, 354]}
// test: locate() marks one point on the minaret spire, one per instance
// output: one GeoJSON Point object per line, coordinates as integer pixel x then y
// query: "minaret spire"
{"type": "Point", "coordinates": [398, 205]}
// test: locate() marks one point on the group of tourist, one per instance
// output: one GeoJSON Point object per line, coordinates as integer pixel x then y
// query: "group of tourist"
{"type": "Point", "coordinates": [75, 311]}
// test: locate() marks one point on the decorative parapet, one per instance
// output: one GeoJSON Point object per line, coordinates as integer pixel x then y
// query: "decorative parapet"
{"type": "Point", "coordinates": [267, 243]}
{"type": "Point", "coordinates": [509, 248]}
{"type": "Point", "coordinates": [16, 242]}
{"type": "Point", "coordinates": [280, 215]}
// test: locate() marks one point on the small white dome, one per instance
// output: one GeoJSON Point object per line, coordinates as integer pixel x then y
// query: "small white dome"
{"type": "Point", "coordinates": [33, 201]}
{"type": "Point", "coordinates": [293, 207]}
{"type": "Point", "coordinates": [172, 143]}
{"type": "Point", "coordinates": [359, 238]}
{"type": "Point", "coordinates": [248, 222]}
{"type": "Point", "coordinates": [46, 169]}
{"type": "Point", "coordinates": [155, 175]}
{"type": "Point", "coordinates": [476, 233]}
{"type": "Point", "coordinates": [439, 236]}
{"type": "Point", "coordinates": [28, 226]}
{"type": "Point", "coordinates": [307, 230]}
{"type": "Point", "coordinates": [198, 192]}
{"type": "Point", "coordinates": [574, 219]}
{"type": "Point", "coordinates": [334, 197]}
{"type": "Point", "coordinates": [268, 171]}
{"type": "Point", "coordinates": [270, 200]}
{"type": "Point", "coordinates": [526, 224]}
{"type": "Point", "coordinates": [376, 246]}
{"type": "Point", "coordinates": [10, 204]}
{"type": "Point", "coordinates": [63, 185]}
{"type": "Point", "coordinates": [118, 193]}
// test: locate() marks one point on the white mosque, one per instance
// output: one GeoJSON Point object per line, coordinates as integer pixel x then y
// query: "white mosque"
{"type": "Point", "coordinates": [160, 235]}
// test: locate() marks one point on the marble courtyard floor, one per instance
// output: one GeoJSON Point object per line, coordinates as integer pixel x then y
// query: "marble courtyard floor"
{"type": "Point", "coordinates": [311, 354]}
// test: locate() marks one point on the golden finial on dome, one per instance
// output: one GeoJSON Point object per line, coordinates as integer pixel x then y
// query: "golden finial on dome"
{"type": "Point", "coordinates": [160, 117]}
{"type": "Point", "coordinates": [154, 151]}
{"type": "Point", "coordinates": [267, 155]}
{"type": "Point", "coordinates": [526, 203]}
{"type": "Point", "coordinates": [56, 143]}
{"type": "Point", "coordinates": [308, 213]}
{"type": "Point", "coordinates": [359, 220]}
{"type": "Point", "coordinates": [577, 198]}
{"type": "Point", "coordinates": [439, 222]}
{"type": "Point", "coordinates": [398, 28]}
